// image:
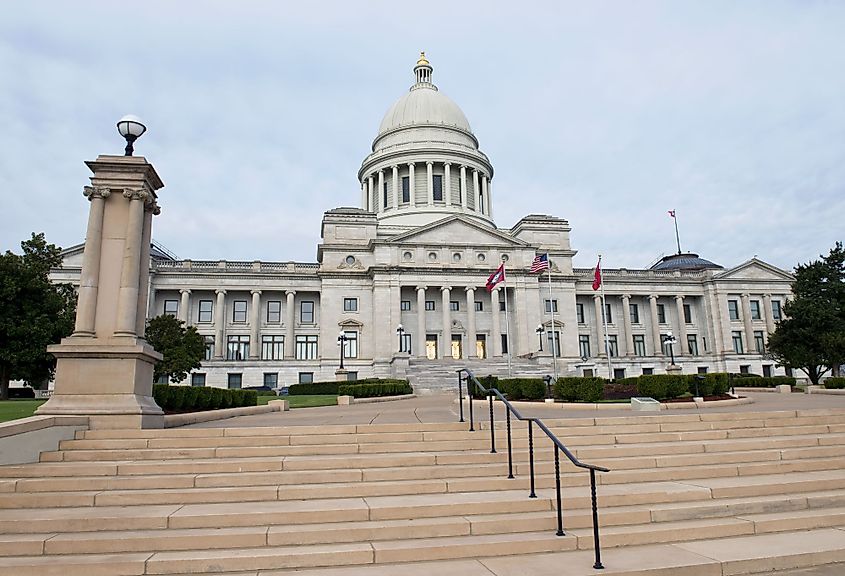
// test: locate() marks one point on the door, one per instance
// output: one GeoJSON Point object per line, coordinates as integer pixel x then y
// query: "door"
{"type": "Point", "coordinates": [481, 346]}
{"type": "Point", "coordinates": [431, 346]}
{"type": "Point", "coordinates": [456, 347]}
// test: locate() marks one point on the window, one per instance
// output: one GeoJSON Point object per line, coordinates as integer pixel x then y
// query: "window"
{"type": "Point", "coordinates": [161, 379]}
{"type": "Point", "coordinates": [272, 347]}
{"type": "Point", "coordinates": [198, 379]}
{"type": "Point", "coordinates": [306, 347]}
{"type": "Point", "coordinates": [745, 369]}
{"type": "Point", "coordinates": [351, 376]}
{"type": "Point", "coordinates": [661, 314]}
{"type": "Point", "coordinates": [788, 372]}
{"type": "Point", "coordinates": [579, 312]}
{"type": "Point", "coordinates": [612, 346]}
{"type": "Point", "coordinates": [551, 306]}
{"type": "Point", "coordinates": [205, 309]}
{"type": "Point", "coordinates": [384, 194]}
{"type": "Point", "coordinates": [755, 309]}
{"type": "Point", "coordinates": [692, 344]}
{"type": "Point", "coordinates": [405, 343]}
{"type": "Point", "coordinates": [235, 380]}
{"type": "Point", "coordinates": [687, 314]}
{"type": "Point", "coordinates": [737, 340]}
{"type": "Point", "coordinates": [454, 305]}
{"type": "Point", "coordinates": [608, 313]}
{"type": "Point", "coordinates": [239, 312]}
{"type": "Point", "coordinates": [501, 304]}
{"type": "Point", "coordinates": [306, 312]}
{"type": "Point", "coordinates": [406, 189]}
{"type": "Point", "coordinates": [237, 348]}
{"type": "Point", "coordinates": [554, 341]}
{"type": "Point", "coordinates": [209, 347]}
{"type": "Point", "coordinates": [759, 342]}
{"type": "Point", "coordinates": [635, 313]}
{"type": "Point", "coordinates": [350, 304]}
{"type": "Point", "coordinates": [733, 309]}
{"type": "Point", "coordinates": [618, 373]}
{"type": "Point", "coordinates": [429, 305]}
{"type": "Point", "coordinates": [647, 371]}
{"type": "Point", "coordinates": [171, 307]}
{"type": "Point", "coordinates": [584, 345]}
{"type": "Point", "coordinates": [405, 306]}
{"type": "Point", "coordinates": [767, 370]}
{"type": "Point", "coordinates": [274, 312]}
{"type": "Point", "coordinates": [776, 312]}
{"type": "Point", "coordinates": [704, 343]}
{"type": "Point", "coordinates": [271, 379]}
{"type": "Point", "coordinates": [306, 377]}
{"type": "Point", "coordinates": [479, 306]}
{"type": "Point", "coordinates": [639, 345]}
{"type": "Point", "coordinates": [588, 373]}
{"type": "Point", "coordinates": [702, 369]}
{"type": "Point", "coordinates": [350, 345]}
{"type": "Point", "coordinates": [437, 186]}
{"type": "Point", "coordinates": [504, 343]}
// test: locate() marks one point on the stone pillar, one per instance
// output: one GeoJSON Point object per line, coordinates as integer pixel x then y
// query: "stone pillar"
{"type": "Point", "coordinates": [89, 282]}
{"type": "Point", "coordinates": [290, 320]}
{"type": "Point", "coordinates": [655, 326]}
{"type": "Point", "coordinates": [490, 198]}
{"type": "Point", "coordinates": [446, 348]}
{"type": "Point", "coordinates": [486, 203]}
{"type": "Point", "coordinates": [220, 325]}
{"type": "Point", "coordinates": [475, 193]}
{"type": "Point", "coordinates": [471, 334]}
{"type": "Point", "coordinates": [429, 167]}
{"type": "Point", "coordinates": [421, 321]}
{"type": "Point", "coordinates": [464, 191]}
{"type": "Point", "coordinates": [396, 191]}
{"type": "Point", "coordinates": [255, 326]}
{"type": "Point", "coordinates": [364, 195]}
{"type": "Point", "coordinates": [185, 306]}
{"type": "Point", "coordinates": [746, 323]}
{"type": "Point", "coordinates": [447, 183]}
{"type": "Point", "coordinates": [626, 322]}
{"type": "Point", "coordinates": [681, 347]}
{"type": "Point", "coordinates": [105, 369]}
{"type": "Point", "coordinates": [411, 188]}
{"type": "Point", "coordinates": [382, 201]}
{"type": "Point", "coordinates": [496, 336]}
{"type": "Point", "coordinates": [767, 312]}
{"type": "Point", "coordinates": [371, 206]}
{"type": "Point", "coordinates": [602, 349]}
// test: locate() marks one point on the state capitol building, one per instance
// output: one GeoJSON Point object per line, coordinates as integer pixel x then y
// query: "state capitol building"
{"type": "Point", "coordinates": [402, 278]}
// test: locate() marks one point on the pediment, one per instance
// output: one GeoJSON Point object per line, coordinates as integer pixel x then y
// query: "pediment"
{"type": "Point", "coordinates": [457, 231]}
{"type": "Point", "coordinates": [350, 323]}
{"type": "Point", "coordinates": [755, 269]}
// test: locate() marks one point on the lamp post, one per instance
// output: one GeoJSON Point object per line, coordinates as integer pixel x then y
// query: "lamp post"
{"type": "Point", "coordinates": [670, 341]}
{"type": "Point", "coordinates": [341, 341]}
{"type": "Point", "coordinates": [400, 331]}
{"type": "Point", "coordinates": [131, 128]}
{"type": "Point", "coordinates": [539, 332]}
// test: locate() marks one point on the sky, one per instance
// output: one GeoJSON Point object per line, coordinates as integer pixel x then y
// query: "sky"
{"type": "Point", "coordinates": [605, 113]}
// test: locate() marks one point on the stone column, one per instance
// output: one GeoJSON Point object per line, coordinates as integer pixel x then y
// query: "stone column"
{"type": "Point", "coordinates": [464, 191]}
{"type": "Point", "coordinates": [447, 183]}
{"type": "Point", "coordinates": [655, 326]}
{"type": "Point", "coordinates": [496, 336]}
{"type": "Point", "coordinates": [255, 326]}
{"type": "Point", "coordinates": [396, 191]}
{"type": "Point", "coordinates": [471, 335]}
{"type": "Point", "coordinates": [411, 188]}
{"type": "Point", "coordinates": [421, 321]}
{"type": "Point", "coordinates": [681, 347]}
{"type": "Point", "coordinates": [382, 201]}
{"type": "Point", "coordinates": [150, 208]}
{"type": "Point", "coordinates": [89, 282]}
{"type": "Point", "coordinates": [767, 312]}
{"type": "Point", "coordinates": [490, 198]}
{"type": "Point", "coordinates": [220, 325]}
{"type": "Point", "coordinates": [446, 348]}
{"type": "Point", "coordinates": [130, 276]}
{"type": "Point", "coordinates": [364, 195]}
{"type": "Point", "coordinates": [486, 203]}
{"type": "Point", "coordinates": [626, 322]}
{"type": "Point", "coordinates": [429, 167]}
{"type": "Point", "coordinates": [371, 207]}
{"type": "Point", "coordinates": [475, 193]}
{"type": "Point", "coordinates": [185, 306]}
{"type": "Point", "coordinates": [602, 351]}
{"type": "Point", "coordinates": [746, 323]}
{"type": "Point", "coordinates": [290, 320]}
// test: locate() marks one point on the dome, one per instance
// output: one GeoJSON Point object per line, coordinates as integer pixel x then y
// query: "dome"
{"type": "Point", "coordinates": [684, 261]}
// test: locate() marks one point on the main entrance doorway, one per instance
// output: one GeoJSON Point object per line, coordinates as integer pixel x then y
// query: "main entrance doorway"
{"type": "Point", "coordinates": [431, 346]}
{"type": "Point", "coordinates": [481, 346]}
{"type": "Point", "coordinates": [456, 347]}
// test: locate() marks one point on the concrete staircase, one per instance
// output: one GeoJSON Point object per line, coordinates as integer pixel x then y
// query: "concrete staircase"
{"type": "Point", "coordinates": [441, 376]}
{"type": "Point", "coordinates": [691, 494]}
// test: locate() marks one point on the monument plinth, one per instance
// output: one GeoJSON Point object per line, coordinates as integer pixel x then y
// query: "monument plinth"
{"type": "Point", "coordinates": [105, 368]}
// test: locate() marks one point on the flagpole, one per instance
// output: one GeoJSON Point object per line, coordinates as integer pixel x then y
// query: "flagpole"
{"type": "Point", "coordinates": [604, 315]}
{"type": "Point", "coordinates": [552, 308]}
{"type": "Point", "coordinates": [507, 320]}
{"type": "Point", "coordinates": [677, 236]}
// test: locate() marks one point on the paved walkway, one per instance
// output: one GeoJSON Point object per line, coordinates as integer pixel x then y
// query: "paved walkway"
{"type": "Point", "coordinates": [444, 408]}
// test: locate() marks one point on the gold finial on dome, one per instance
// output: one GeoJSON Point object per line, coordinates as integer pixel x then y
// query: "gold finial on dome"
{"type": "Point", "coordinates": [423, 61]}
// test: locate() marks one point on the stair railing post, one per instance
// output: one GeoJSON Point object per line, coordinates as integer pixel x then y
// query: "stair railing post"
{"type": "Point", "coordinates": [492, 426]}
{"type": "Point", "coordinates": [470, 390]}
{"type": "Point", "coordinates": [531, 456]}
{"type": "Point", "coordinates": [510, 450]}
{"type": "Point", "coordinates": [598, 565]}
{"type": "Point", "coordinates": [461, 395]}
{"type": "Point", "coordinates": [560, 531]}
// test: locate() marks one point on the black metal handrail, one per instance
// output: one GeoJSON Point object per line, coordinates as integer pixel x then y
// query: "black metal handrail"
{"type": "Point", "coordinates": [559, 447]}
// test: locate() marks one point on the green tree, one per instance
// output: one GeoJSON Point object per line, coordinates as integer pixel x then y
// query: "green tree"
{"type": "Point", "coordinates": [34, 313]}
{"type": "Point", "coordinates": [183, 348]}
{"type": "Point", "coordinates": [811, 337]}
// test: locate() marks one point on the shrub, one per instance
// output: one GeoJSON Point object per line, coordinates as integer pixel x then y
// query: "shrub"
{"type": "Point", "coordinates": [189, 398]}
{"type": "Point", "coordinates": [833, 383]}
{"type": "Point", "coordinates": [522, 388]}
{"type": "Point", "coordinates": [486, 381]}
{"type": "Point", "coordinates": [313, 388]}
{"type": "Point", "coordinates": [763, 382]}
{"type": "Point", "coordinates": [578, 389]}
{"type": "Point", "coordinates": [393, 388]}
{"type": "Point", "coordinates": [620, 390]}
{"type": "Point", "coordinates": [25, 392]}
{"type": "Point", "coordinates": [662, 386]}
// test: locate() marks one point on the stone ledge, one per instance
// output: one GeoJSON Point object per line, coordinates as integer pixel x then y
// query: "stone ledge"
{"type": "Point", "coordinates": [175, 420]}
{"type": "Point", "coordinates": [33, 423]}
{"type": "Point", "coordinates": [382, 399]}
{"type": "Point", "coordinates": [587, 406]}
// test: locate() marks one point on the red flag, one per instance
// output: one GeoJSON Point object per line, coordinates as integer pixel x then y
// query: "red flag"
{"type": "Point", "coordinates": [496, 277]}
{"type": "Point", "coordinates": [597, 276]}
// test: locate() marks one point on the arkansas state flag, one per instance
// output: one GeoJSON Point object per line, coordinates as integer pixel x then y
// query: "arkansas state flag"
{"type": "Point", "coordinates": [496, 277]}
{"type": "Point", "coordinates": [597, 276]}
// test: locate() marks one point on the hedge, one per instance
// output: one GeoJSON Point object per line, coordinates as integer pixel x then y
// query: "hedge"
{"type": "Point", "coordinates": [331, 387]}
{"type": "Point", "coordinates": [374, 390]}
{"type": "Point", "coordinates": [512, 388]}
{"type": "Point", "coordinates": [710, 384]}
{"type": "Point", "coordinates": [194, 398]}
{"type": "Point", "coordinates": [763, 382]}
{"type": "Point", "coordinates": [662, 386]}
{"type": "Point", "coordinates": [486, 381]}
{"type": "Point", "coordinates": [25, 392]}
{"type": "Point", "coordinates": [832, 383]}
{"type": "Point", "coordinates": [578, 389]}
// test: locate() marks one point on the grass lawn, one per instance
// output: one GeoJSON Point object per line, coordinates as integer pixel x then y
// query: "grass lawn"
{"type": "Point", "coordinates": [309, 401]}
{"type": "Point", "coordinates": [14, 409]}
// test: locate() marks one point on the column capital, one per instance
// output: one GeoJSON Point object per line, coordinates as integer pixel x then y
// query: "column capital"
{"type": "Point", "coordinates": [653, 297]}
{"type": "Point", "coordinates": [464, 167]}
{"type": "Point", "coordinates": [679, 297]}
{"type": "Point", "coordinates": [597, 297]}
{"type": "Point", "coordinates": [370, 178]}
{"type": "Point", "coordinates": [445, 288]}
{"type": "Point", "coordinates": [255, 292]}
{"type": "Point", "coordinates": [411, 164]}
{"type": "Point", "coordinates": [447, 163]}
{"type": "Point", "coordinates": [745, 295]}
{"type": "Point", "coordinates": [769, 296]}
{"type": "Point", "coordinates": [290, 293]}
{"type": "Point", "coordinates": [136, 194]}
{"type": "Point", "coordinates": [184, 291]}
{"type": "Point", "coordinates": [423, 288]}
{"type": "Point", "coordinates": [394, 167]}
{"type": "Point", "coordinates": [381, 172]}
{"type": "Point", "coordinates": [91, 192]}
{"type": "Point", "coordinates": [220, 291]}
{"type": "Point", "coordinates": [470, 288]}
{"type": "Point", "coordinates": [429, 162]}
{"type": "Point", "coordinates": [625, 297]}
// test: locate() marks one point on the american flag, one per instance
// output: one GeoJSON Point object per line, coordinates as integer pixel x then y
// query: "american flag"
{"type": "Point", "coordinates": [541, 262]}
